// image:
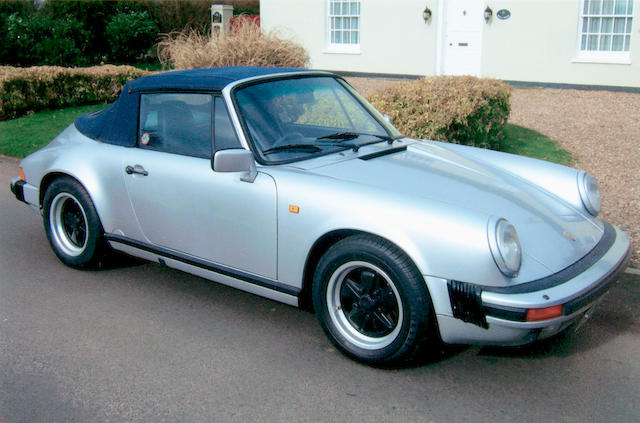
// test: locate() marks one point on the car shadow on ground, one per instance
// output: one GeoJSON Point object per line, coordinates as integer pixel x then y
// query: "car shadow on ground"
{"type": "Point", "coordinates": [114, 260]}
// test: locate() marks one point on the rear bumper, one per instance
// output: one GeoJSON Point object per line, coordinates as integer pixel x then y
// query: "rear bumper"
{"type": "Point", "coordinates": [499, 316]}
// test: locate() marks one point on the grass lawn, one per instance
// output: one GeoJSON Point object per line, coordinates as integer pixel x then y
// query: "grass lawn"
{"type": "Point", "coordinates": [26, 134]}
{"type": "Point", "coordinates": [527, 142]}
{"type": "Point", "coordinates": [21, 136]}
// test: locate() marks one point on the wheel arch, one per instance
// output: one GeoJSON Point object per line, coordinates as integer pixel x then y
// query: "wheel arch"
{"type": "Point", "coordinates": [89, 183]}
{"type": "Point", "coordinates": [93, 248]}
{"type": "Point", "coordinates": [319, 247]}
{"type": "Point", "coordinates": [48, 179]}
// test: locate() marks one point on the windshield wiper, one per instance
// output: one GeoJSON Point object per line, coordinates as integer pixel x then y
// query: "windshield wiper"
{"type": "Point", "coordinates": [302, 147]}
{"type": "Point", "coordinates": [343, 136]}
{"type": "Point", "coordinates": [340, 137]}
{"type": "Point", "coordinates": [354, 147]}
{"type": "Point", "coordinates": [386, 138]}
{"type": "Point", "coordinates": [347, 136]}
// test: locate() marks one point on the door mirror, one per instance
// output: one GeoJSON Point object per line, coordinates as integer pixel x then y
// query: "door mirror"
{"type": "Point", "coordinates": [236, 160]}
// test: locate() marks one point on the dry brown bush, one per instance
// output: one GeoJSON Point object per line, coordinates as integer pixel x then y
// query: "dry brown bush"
{"type": "Point", "coordinates": [246, 45]}
{"type": "Point", "coordinates": [26, 90]}
{"type": "Point", "coordinates": [459, 109]}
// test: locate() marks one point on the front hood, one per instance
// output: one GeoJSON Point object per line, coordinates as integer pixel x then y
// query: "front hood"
{"type": "Point", "coordinates": [545, 223]}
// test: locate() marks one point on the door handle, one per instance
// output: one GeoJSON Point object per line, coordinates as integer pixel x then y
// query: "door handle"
{"type": "Point", "coordinates": [137, 169]}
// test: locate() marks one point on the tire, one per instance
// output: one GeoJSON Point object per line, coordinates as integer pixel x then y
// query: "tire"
{"type": "Point", "coordinates": [72, 224]}
{"type": "Point", "coordinates": [372, 302]}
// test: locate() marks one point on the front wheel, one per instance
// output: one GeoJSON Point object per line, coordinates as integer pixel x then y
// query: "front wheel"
{"type": "Point", "coordinates": [372, 302]}
{"type": "Point", "coordinates": [72, 223]}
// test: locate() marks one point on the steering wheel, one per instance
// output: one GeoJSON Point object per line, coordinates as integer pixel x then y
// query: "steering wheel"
{"type": "Point", "coordinates": [283, 140]}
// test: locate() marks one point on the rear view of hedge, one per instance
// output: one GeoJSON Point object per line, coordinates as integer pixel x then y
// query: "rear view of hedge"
{"type": "Point", "coordinates": [27, 90]}
{"type": "Point", "coordinates": [459, 109]}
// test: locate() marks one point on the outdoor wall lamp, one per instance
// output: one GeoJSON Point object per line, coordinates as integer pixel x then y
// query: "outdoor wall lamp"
{"type": "Point", "coordinates": [488, 13]}
{"type": "Point", "coordinates": [426, 15]}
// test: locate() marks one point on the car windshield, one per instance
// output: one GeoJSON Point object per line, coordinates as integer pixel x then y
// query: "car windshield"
{"type": "Point", "coordinates": [298, 118]}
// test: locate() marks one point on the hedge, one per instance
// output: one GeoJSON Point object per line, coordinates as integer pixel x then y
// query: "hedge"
{"type": "Point", "coordinates": [28, 90]}
{"type": "Point", "coordinates": [458, 109]}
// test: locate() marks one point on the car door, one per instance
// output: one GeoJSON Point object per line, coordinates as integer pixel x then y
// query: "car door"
{"type": "Point", "coordinates": [183, 205]}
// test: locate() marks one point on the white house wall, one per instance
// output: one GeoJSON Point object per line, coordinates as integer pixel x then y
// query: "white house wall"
{"type": "Point", "coordinates": [394, 38]}
{"type": "Point", "coordinates": [538, 43]}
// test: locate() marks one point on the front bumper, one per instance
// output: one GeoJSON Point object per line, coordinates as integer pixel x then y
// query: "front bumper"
{"type": "Point", "coordinates": [17, 188]}
{"type": "Point", "coordinates": [489, 315]}
{"type": "Point", "coordinates": [25, 192]}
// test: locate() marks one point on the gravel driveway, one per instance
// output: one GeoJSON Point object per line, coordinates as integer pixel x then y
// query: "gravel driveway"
{"type": "Point", "coordinates": [600, 129]}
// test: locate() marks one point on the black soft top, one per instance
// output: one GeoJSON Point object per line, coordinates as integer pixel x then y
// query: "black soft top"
{"type": "Point", "coordinates": [118, 123]}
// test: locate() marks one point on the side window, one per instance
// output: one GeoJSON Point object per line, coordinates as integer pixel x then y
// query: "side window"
{"type": "Point", "coordinates": [176, 123]}
{"type": "Point", "coordinates": [224, 136]}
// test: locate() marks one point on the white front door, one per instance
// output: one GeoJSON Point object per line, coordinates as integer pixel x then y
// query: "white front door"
{"type": "Point", "coordinates": [462, 52]}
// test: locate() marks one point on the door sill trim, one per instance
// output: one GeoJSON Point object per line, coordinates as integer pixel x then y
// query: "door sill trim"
{"type": "Point", "coordinates": [206, 265]}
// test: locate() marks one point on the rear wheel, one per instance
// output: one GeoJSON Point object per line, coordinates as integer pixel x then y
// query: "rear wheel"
{"type": "Point", "coordinates": [72, 223]}
{"type": "Point", "coordinates": [372, 302]}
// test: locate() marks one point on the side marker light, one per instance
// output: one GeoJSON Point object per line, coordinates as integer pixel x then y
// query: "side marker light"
{"type": "Point", "coordinates": [294, 209]}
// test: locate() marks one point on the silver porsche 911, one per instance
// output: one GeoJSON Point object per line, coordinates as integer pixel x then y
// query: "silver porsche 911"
{"type": "Point", "coordinates": [286, 183]}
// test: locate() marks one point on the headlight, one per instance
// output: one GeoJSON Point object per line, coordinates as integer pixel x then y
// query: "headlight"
{"type": "Point", "coordinates": [505, 246]}
{"type": "Point", "coordinates": [589, 193]}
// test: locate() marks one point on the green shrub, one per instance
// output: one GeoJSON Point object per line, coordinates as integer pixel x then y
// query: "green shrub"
{"type": "Point", "coordinates": [71, 32]}
{"type": "Point", "coordinates": [37, 38]}
{"type": "Point", "coordinates": [27, 90]}
{"type": "Point", "coordinates": [8, 8]}
{"type": "Point", "coordinates": [458, 109]}
{"type": "Point", "coordinates": [93, 16]}
{"type": "Point", "coordinates": [130, 35]}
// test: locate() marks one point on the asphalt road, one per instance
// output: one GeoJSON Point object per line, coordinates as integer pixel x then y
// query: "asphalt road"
{"type": "Point", "coordinates": [141, 343]}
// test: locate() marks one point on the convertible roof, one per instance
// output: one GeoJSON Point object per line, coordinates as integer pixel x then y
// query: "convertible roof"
{"type": "Point", "coordinates": [212, 79]}
{"type": "Point", "coordinates": [117, 124]}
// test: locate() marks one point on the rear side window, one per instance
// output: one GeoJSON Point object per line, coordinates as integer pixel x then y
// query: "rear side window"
{"type": "Point", "coordinates": [224, 137]}
{"type": "Point", "coordinates": [176, 123]}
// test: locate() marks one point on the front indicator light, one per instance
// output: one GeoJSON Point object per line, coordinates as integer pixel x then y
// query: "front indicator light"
{"type": "Point", "coordinates": [538, 314]}
{"type": "Point", "coordinates": [22, 174]}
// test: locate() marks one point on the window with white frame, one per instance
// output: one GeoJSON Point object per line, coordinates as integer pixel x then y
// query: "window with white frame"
{"type": "Point", "coordinates": [605, 29]}
{"type": "Point", "coordinates": [343, 25]}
